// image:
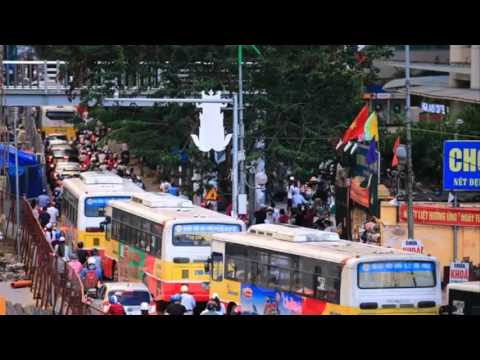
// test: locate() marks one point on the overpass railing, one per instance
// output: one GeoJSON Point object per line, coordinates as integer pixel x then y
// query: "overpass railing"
{"type": "Point", "coordinates": [35, 75]}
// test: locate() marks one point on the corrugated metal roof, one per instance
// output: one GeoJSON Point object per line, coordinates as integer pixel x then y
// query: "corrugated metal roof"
{"type": "Point", "coordinates": [438, 81]}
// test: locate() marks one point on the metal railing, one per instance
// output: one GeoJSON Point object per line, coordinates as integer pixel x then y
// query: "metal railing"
{"type": "Point", "coordinates": [56, 286]}
{"type": "Point", "coordinates": [35, 75]}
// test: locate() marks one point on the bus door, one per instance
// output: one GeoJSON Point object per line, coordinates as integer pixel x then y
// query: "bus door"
{"type": "Point", "coordinates": [217, 267]}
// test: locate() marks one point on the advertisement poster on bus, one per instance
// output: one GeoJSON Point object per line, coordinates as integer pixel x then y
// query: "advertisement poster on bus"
{"type": "Point", "coordinates": [413, 246]}
{"type": "Point", "coordinates": [459, 272]}
{"type": "Point", "coordinates": [261, 301]}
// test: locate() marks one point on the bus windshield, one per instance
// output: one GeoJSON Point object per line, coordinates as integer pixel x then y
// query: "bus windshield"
{"type": "Point", "coordinates": [396, 274]}
{"type": "Point", "coordinates": [66, 116]}
{"type": "Point", "coordinates": [199, 234]}
{"type": "Point", "coordinates": [95, 206]}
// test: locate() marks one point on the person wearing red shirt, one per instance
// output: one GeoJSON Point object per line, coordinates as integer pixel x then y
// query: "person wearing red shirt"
{"type": "Point", "coordinates": [283, 219]}
{"type": "Point", "coordinates": [115, 307]}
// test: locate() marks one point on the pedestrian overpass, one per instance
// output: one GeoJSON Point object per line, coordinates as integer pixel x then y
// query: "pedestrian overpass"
{"type": "Point", "coordinates": [47, 83]}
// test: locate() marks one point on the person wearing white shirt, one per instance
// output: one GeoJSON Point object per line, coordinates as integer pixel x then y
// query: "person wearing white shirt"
{"type": "Point", "coordinates": [188, 301]}
{"type": "Point", "coordinates": [53, 212]}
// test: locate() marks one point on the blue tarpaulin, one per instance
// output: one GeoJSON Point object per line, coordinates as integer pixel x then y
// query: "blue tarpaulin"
{"type": "Point", "coordinates": [30, 171]}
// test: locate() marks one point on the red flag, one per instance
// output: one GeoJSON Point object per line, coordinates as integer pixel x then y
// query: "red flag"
{"type": "Point", "coordinates": [395, 157]}
{"type": "Point", "coordinates": [356, 130]}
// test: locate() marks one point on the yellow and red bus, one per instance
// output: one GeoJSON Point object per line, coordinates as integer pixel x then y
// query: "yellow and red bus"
{"type": "Point", "coordinates": [290, 270]}
{"type": "Point", "coordinates": [83, 204]}
{"type": "Point", "coordinates": [164, 241]}
{"type": "Point", "coordinates": [58, 120]}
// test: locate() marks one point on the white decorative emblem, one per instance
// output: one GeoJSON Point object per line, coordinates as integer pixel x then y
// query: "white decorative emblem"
{"type": "Point", "coordinates": [211, 132]}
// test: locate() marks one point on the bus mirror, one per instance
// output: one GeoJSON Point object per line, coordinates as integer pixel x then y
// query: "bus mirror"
{"type": "Point", "coordinates": [108, 220]}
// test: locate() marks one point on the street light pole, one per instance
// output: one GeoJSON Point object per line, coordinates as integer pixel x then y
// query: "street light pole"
{"type": "Point", "coordinates": [409, 144]}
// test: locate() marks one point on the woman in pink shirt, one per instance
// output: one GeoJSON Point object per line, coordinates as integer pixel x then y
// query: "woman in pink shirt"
{"type": "Point", "coordinates": [75, 264]}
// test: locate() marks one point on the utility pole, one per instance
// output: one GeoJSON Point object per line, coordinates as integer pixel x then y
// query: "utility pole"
{"type": "Point", "coordinates": [241, 131]}
{"type": "Point", "coordinates": [458, 123]}
{"type": "Point", "coordinates": [409, 144]}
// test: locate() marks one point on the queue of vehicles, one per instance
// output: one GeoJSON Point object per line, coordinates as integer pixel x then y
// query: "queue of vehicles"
{"type": "Point", "coordinates": [151, 244]}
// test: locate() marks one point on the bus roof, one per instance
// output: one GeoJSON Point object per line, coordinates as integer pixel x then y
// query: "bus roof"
{"type": "Point", "coordinates": [472, 286]}
{"type": "Point", "coordinates": [309, 243]}
{"type": "Point", "coordinates": [102, 183]}
{"type": "Point", "coordinates": [161, 208]}
{"type": "Point", "coordinates": [58, 108]}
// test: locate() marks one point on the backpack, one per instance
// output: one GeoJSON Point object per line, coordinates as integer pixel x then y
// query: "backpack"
{"type": "Point", "coordinates": [91, 280]}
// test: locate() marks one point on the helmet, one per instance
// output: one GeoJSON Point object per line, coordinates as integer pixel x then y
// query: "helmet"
{"type": "Point", "coordinates": [184, 289]}
{"type": "Point", "coordinates": [215, 296]}
{"type": "Point", "coordinates": [113, 299]}
{"type": "Point", "coordinates": [211, 306]}
{"type": "Point", "coordinates": [91, 261]}
{"type": "Point", "coordinates": [144, 306]}
{"type": "Point", "coordinates": [62, 239]}
{"type": "Point", "coordinates": [49, 225]}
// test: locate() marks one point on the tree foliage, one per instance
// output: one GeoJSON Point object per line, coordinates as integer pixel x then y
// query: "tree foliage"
{"type": "Point", "coordinates": [298, 98]}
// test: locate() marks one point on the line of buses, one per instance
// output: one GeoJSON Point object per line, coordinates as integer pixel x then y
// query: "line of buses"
{"type": "Point", "coordinates": [165, 241]}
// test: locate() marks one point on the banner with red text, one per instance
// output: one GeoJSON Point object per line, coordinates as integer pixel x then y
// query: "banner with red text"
{"type": "Point", "coordinates": [435, 215]}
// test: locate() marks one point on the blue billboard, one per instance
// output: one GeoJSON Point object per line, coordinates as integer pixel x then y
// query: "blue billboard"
{"type": "Point", "coordinates": [461, 165]}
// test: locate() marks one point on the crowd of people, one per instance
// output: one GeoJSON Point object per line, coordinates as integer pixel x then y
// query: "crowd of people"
{"type": "Point", "coordinates": [310, 204]}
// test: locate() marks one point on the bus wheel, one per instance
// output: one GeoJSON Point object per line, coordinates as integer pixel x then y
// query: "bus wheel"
{"type": "Point", "coordinates": [230, 307]}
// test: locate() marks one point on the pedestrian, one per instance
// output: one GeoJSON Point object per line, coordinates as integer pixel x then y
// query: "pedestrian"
{"type": "Point", "coordinates": [260, 215]}
{"type": "Point", "coordinates": [298, 199]}
{"type": "Point", "coordinates": [175, 307]}
{"type": "Point", "coordinates": [329, 226]}
{"type": "Point", "coordinates": [115, 307]}
{"type": "Point", "coordinates": [290, 188]}
{"type": "Point", "coordinates": [284, 218]}
{"type": "Point", "coordinates": [211, 309]}
{"type": "Point", "coordinates": [188, 301]}
{"type": "Point", "coordinates": [75, 264]}
{"type": "Point", "coordinates": [81, 253]}
{"type": "Point", "coordinates": [220, 306]}
{"type": "Point", "coordinates": [48, 233]}
{"type": "Point", "coordinates": [43, 199]}
{"type": "Point", "coordinates": [35, 208]}
{"type": "Point", "coordinates": [61, 249]}
{"type": "Point", "coordinates": [53, 212]}
{"type": "Point", "coordinates": [173, 190]}
{"type": "Point", "coordinates": [44, 217]}
{"type": "Point", "coordinates": [89, 276]}
{"type": "Point", "coordinates": [98, 263]}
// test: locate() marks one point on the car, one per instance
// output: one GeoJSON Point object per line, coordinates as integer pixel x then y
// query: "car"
{"type": "Point", "coordinates": [67, 169]}
{"type": "Point", "coordinates": [130, 295]}
{"type": "Point", "coordinates": [61, 147]}
{"type": "Point", "coordinates": [63, 154]}
{"type": "Point", "coordinates": [56, 137]}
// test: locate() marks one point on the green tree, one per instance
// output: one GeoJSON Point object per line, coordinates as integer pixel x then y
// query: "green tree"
{"type": "Point", "coordinates": [298, 98]}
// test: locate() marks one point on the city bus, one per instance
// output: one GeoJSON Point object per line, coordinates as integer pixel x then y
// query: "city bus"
{"type": "Point", "coordinates": [58, 120]}
{"type": "Point", "coordinates": [463, 298]}
{"type": "Point", "coordinates": [290, 270]}
{"type": "Point", "coordinates": [164, 241]}
{"type": "Point", "coordinates": [83, 204]}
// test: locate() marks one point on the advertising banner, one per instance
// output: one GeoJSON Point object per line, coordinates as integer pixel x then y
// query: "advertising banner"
{"type": "Point", "coordinates": [461, 165]}
{"type": "Point", "coordinates": [435, 215]}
